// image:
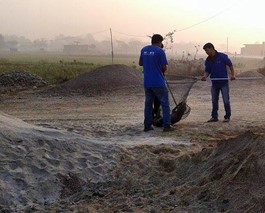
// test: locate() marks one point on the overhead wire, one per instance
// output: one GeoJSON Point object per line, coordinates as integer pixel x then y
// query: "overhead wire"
{"type": "Point", "coordinates": [201, 22]}
{"type": "Point", "coordinates": [102, 31]}
{"type": "Point", "coordinates": [183, 29]}
{"type": "Point", "coordinates": [208, 19]}
{"type": "Point", "coordinates": [128, 34]}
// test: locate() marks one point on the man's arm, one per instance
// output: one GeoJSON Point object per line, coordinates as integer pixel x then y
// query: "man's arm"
{"type": "Point", "coordinates": [164, 68]}
{"type": "Point", "coordinates": [204, 77]}
{"type": "Point", "coordinates": [233, 77]}
{"type": "Point", "coordinates": [140, 62]}
{"type": "Point", "coordinates": [229, 63]}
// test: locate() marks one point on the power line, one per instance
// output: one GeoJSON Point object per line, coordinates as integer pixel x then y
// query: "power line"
{"type": "Point", "coordinates": [201, 22]}
{"type": "Point", "coordinates": [129, 34]}
{"type": "Point", "coordinates": [99, 32]}
{"type": "Point", "coordinates": [189, 27]}
{"type": "Point", "coordinates": [183, 29]}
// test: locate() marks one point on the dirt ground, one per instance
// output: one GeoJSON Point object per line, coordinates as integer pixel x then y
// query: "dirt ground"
{"type": "Point", "coordinates": [201, 167]}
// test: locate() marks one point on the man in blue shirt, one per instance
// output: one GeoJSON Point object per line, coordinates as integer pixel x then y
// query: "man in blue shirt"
{"type": "Point", "coordinates": [216, 66]}
{"type": "Point", "coordinates": [154, 61]}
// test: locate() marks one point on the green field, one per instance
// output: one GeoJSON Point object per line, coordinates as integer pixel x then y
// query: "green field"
{"type": "Point", "coordinates": [58, 68]}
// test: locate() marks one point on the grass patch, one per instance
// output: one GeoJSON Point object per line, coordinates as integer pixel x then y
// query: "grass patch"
{"type": "Point", "coordinates": [58, 68]}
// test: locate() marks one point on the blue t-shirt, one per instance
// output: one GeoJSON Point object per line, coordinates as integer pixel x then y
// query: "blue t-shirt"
{"type": "Point", "coordinates": [216, 66]}
{"type": "Point", "coordinates": [153, 58]}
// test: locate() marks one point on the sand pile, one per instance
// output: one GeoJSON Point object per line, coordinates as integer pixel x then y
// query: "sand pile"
{"type": "Point", "coordinates": [102, 80]}
{"type": "Point", "coordinates": [39, 165]}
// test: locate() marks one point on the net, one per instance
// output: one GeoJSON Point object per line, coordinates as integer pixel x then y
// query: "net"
{"type": "Point", "coordinates": [179, 88]}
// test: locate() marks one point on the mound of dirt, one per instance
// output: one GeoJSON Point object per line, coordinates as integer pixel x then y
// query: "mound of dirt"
{"type": "Point", "coordinates": [102, 80]}
{"type": "Point", "coordinates": [227, 177]}
{"type": "Point", "coordinates": [262, 71]}
{"type": "Point", "coordinates": [18, 80]}
{"type": "Point", "coordinates": [251, 73]}
{"type": "Point", "coordinates": [230, 177]}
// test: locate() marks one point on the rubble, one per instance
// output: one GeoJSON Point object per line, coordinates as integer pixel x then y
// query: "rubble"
{"type": "Point", "coordinates": [19, 80]}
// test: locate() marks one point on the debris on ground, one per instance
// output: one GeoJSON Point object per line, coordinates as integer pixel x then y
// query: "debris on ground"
{"type": "Point", "coordinates": [19, 80]}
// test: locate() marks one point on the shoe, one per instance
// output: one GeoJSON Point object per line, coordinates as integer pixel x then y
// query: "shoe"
{"type": "Point", "coordinates": [226, 120]}
{"type": "Point", "coordinates": [169, 129]}
{"type": "Point", "coordinates": [213, 120]}
{"type": "Point", "coordinates": [146, 129]}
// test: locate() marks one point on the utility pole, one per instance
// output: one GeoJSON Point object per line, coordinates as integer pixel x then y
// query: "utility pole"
{"type": "Point", "coordinates": [111, 42]}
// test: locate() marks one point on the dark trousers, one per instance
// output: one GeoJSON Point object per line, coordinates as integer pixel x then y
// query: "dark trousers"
{"type": "Point", "coordinates": [215, 91]}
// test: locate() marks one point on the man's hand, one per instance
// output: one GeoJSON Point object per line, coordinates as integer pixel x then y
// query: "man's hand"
{"type": "Point", "coordinates": [203, 78]}
{"type": "Point", "coordinates": [233, 78]}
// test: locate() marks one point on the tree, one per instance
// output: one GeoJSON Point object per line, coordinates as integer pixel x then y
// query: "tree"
{"type": "Point", "coordinates": [169, 39]}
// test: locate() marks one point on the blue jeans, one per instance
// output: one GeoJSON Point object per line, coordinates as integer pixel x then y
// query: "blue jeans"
{"type": "Point", "coordinates": [162, 94]}
{"type": "Point", "coordinates": [215, 91]}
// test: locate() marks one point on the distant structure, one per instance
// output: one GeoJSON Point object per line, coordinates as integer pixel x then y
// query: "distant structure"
{"type": "Point", "coordinates": [13, 50]}
{"type": "Point", "coordinates": [75, 49]}
{"type": "Point", "coordinates": [253, 50]}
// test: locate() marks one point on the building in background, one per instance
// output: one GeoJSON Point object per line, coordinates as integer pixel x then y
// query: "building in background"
{"type": "Point", "coordinates": [257, 50]}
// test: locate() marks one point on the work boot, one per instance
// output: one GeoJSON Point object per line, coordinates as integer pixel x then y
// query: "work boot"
{"type": "Point", "coordinates": [226, 120]}
{"type": "Point", "coordinates": [169, 129]}
{"type": "Point", "coordinates": [212, 120]}
{"type": "Point", "coordinates": [146, 129]}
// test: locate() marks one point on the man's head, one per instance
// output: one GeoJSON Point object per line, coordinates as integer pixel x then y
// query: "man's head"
{"type": "Point", "coordinates": [209, 49]}
{"type": "Point", "coordinates": [157, 40]}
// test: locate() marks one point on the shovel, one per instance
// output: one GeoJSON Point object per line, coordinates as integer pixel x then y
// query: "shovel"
{"type": "Point", "coordinates": [237, 78]}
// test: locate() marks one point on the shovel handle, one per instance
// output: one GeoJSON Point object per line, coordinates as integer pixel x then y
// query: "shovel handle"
{"type": "Point", "coordinates": [239, 78]}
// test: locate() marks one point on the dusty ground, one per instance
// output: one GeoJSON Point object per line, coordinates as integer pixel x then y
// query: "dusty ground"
{"type": "Point", "coordinates": [201, 167]}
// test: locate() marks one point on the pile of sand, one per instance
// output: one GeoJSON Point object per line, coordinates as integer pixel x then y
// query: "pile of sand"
{"type": "Point", "coordinates": [40, 165]}
{"type": "Point", "coordinates": [102, 80]}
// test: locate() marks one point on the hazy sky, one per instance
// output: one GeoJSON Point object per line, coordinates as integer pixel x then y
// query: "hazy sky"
{"type": "Point", "coordinates": [236, 21]}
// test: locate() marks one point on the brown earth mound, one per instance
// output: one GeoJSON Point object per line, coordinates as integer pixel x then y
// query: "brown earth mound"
{"type": "Point", "coordinates": [102, 80]}
{"type": "Point", "coordinates": [262, 71]}
{"type": "Point", "coordinates": [229, 178]}
{"type": "Point", "coordinates": [226, 178]}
